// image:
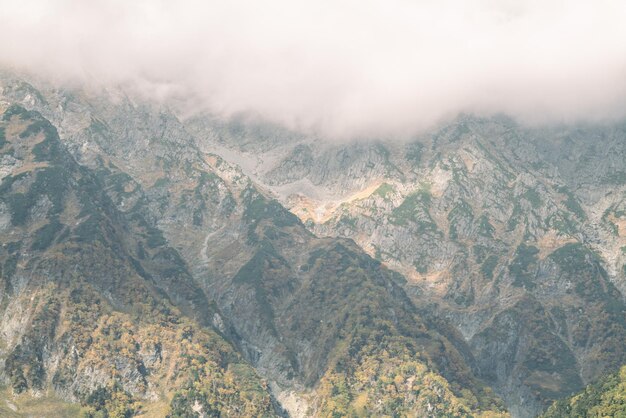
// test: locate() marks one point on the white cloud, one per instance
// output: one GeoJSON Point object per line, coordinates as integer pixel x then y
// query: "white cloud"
{"type": "Point", "coordinates": [346, 67]}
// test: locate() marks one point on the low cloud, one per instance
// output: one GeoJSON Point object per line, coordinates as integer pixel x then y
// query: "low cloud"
{"type": "Point", "coordinates": [341, 67]}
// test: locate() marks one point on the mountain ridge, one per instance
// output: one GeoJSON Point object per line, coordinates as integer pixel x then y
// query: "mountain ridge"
{"type": "Point", "coordinates": [508, 245]}
{"type": "Point", "coordinates": [170, 230]}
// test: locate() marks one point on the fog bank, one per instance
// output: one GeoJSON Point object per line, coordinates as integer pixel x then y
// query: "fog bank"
{"type": "Point", "coordinates": [342, 67]}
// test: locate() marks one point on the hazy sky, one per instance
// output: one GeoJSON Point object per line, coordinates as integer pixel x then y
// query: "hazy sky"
{"type": "Point", "coordinates": [346, 67]}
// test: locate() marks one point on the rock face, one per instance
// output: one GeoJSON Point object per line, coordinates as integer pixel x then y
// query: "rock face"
{"type": "Point", "coordinates": [142, 271]}
{"type": "Point", "coordinates": [239, 268]}
{"type": "Point", "coordinates": [517, 233]}
{"type": "Point", "coordinates": [95, 306]}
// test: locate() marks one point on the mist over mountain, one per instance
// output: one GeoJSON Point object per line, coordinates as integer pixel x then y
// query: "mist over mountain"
{"type": "Point", "coordinates": [285, 209]}
{"type": "Point", "coordinates": [344, 69]}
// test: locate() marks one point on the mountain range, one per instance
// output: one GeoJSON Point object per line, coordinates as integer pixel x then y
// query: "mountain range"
{"type": "Point", "coordinates": [157, 264]}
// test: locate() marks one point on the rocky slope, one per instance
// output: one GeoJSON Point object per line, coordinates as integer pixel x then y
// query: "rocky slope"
{"type": "Point", "coordinates": [509, 242]}
{"type": "Point", "coordinates": [517, 233]}
{"type": "Point", "coordinates": [189, 253]}
{"type": "Point", "coordinates": [95, 306]}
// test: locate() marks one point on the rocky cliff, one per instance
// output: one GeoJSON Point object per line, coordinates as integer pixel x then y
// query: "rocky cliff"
{"type": "Point", "coordinates": [231, 265]}
{"type": "Point", "coordinates": [517, 234]}
{"type": "Point", "coordinates": [147, 273]}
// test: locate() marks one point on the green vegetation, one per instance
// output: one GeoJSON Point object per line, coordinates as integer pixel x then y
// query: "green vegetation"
{"type": "Point", "coordinates": [46, 234]}
{"type": "Point", "coordinates": [134, 340]}
{"type": "Point", "coordinates": [24, 364]}
{"type": "Point", "coordinates": [461, 213]}
{"type": "Point", "coordinates": [377, 371]}
{"type": "Point", "coordinates": [488, 266]}
{"type": "Point", "coordinates": [89, 230]}
{"type": "Point", "coordinates": [222, 396]}
{"type": "Point", "coordinates": [49, 181]}
{"type": "Point", "coordinates": [604, 322]}
{"type": "Point", "coordinates": [154, 237]}
{"type": "Point", "coordinates": [185, 356]}
{"type": "Point", "coordinates": [562, 222]}
{"type": "Point", "coordinates": [254, 272]}
{"type": "Point", "coordinates": [113, 305]}
{"type": "Point", "coordinates": [591, 281]}
{"type": "Point", "coordinates": [161, 182]}
{"type": "Point", "coordinates": [571, 203]}
{"type": "Point", "coordinates": [480, 253]}
{"type": "Point", "coordinates": [523, 265]}
{"type": "Point", "coordinates": [384, 190]}
{"type": "Point", "coordinates": [515, 216]}
{"type": "Point", "coordinates": [457, 131]}
{"type": "Point", "coordinates": [119, 182]}
{"type": "Point", "coordinates": [533, 197]}
{"type": "Point", "coordinates": [17, 110]}
{"type": "Point", "coordinates": [604, 398]}
{"type": "Point", "coordinates": [258, 209]}
{"type": "Point", "coordinates": [110, 401]}
{"type": "Point", "coordinates": [485, 228]}
{"type": "Point", "coordinates": [421, 264]}
{"type": "Point", "coordinates": [373, 354]}
{"type": "Point", "coordinates": [347, 220]}
{"type": "Point", "coordinates": [3, 138]}
{"type": "Point", "coordinates": [546, 364]}
{"type": "Point", "coordinates": [414, 209]}
{"type": "Point", "coordinates": [574, 258]}
{"type": "Point", "coordinates": [50, 147]}
{"type": "Point", "coordinates": [386, 379]}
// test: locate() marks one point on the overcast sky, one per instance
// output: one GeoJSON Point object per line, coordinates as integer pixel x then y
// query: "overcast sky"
{"type": "Point", "coordinates": [345, 67]}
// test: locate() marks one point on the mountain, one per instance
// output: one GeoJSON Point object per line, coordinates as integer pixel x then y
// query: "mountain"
{"type": "Point", "coordinates": [517, 233]}
{"type": "Point", "coordinates": [604, 398]}
{"type": "Point", "coordinates": [176, 265]}
{"type": "Point", "coordinates": [94, 302]}
{"type": "Point", "coordinates": [148, 276]}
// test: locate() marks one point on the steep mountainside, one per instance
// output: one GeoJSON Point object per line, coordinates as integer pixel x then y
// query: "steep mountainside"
{"type": "Point", "coordinates": [93, 301]}
{"type": "Point", "coordinates": [604, 398]}
{"type": "Point", "coordinates": [163, 224]}
{"type": "Point", "coordinates": [518, 234]}
{"type": "Point", "coordinates": [356, 278]}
